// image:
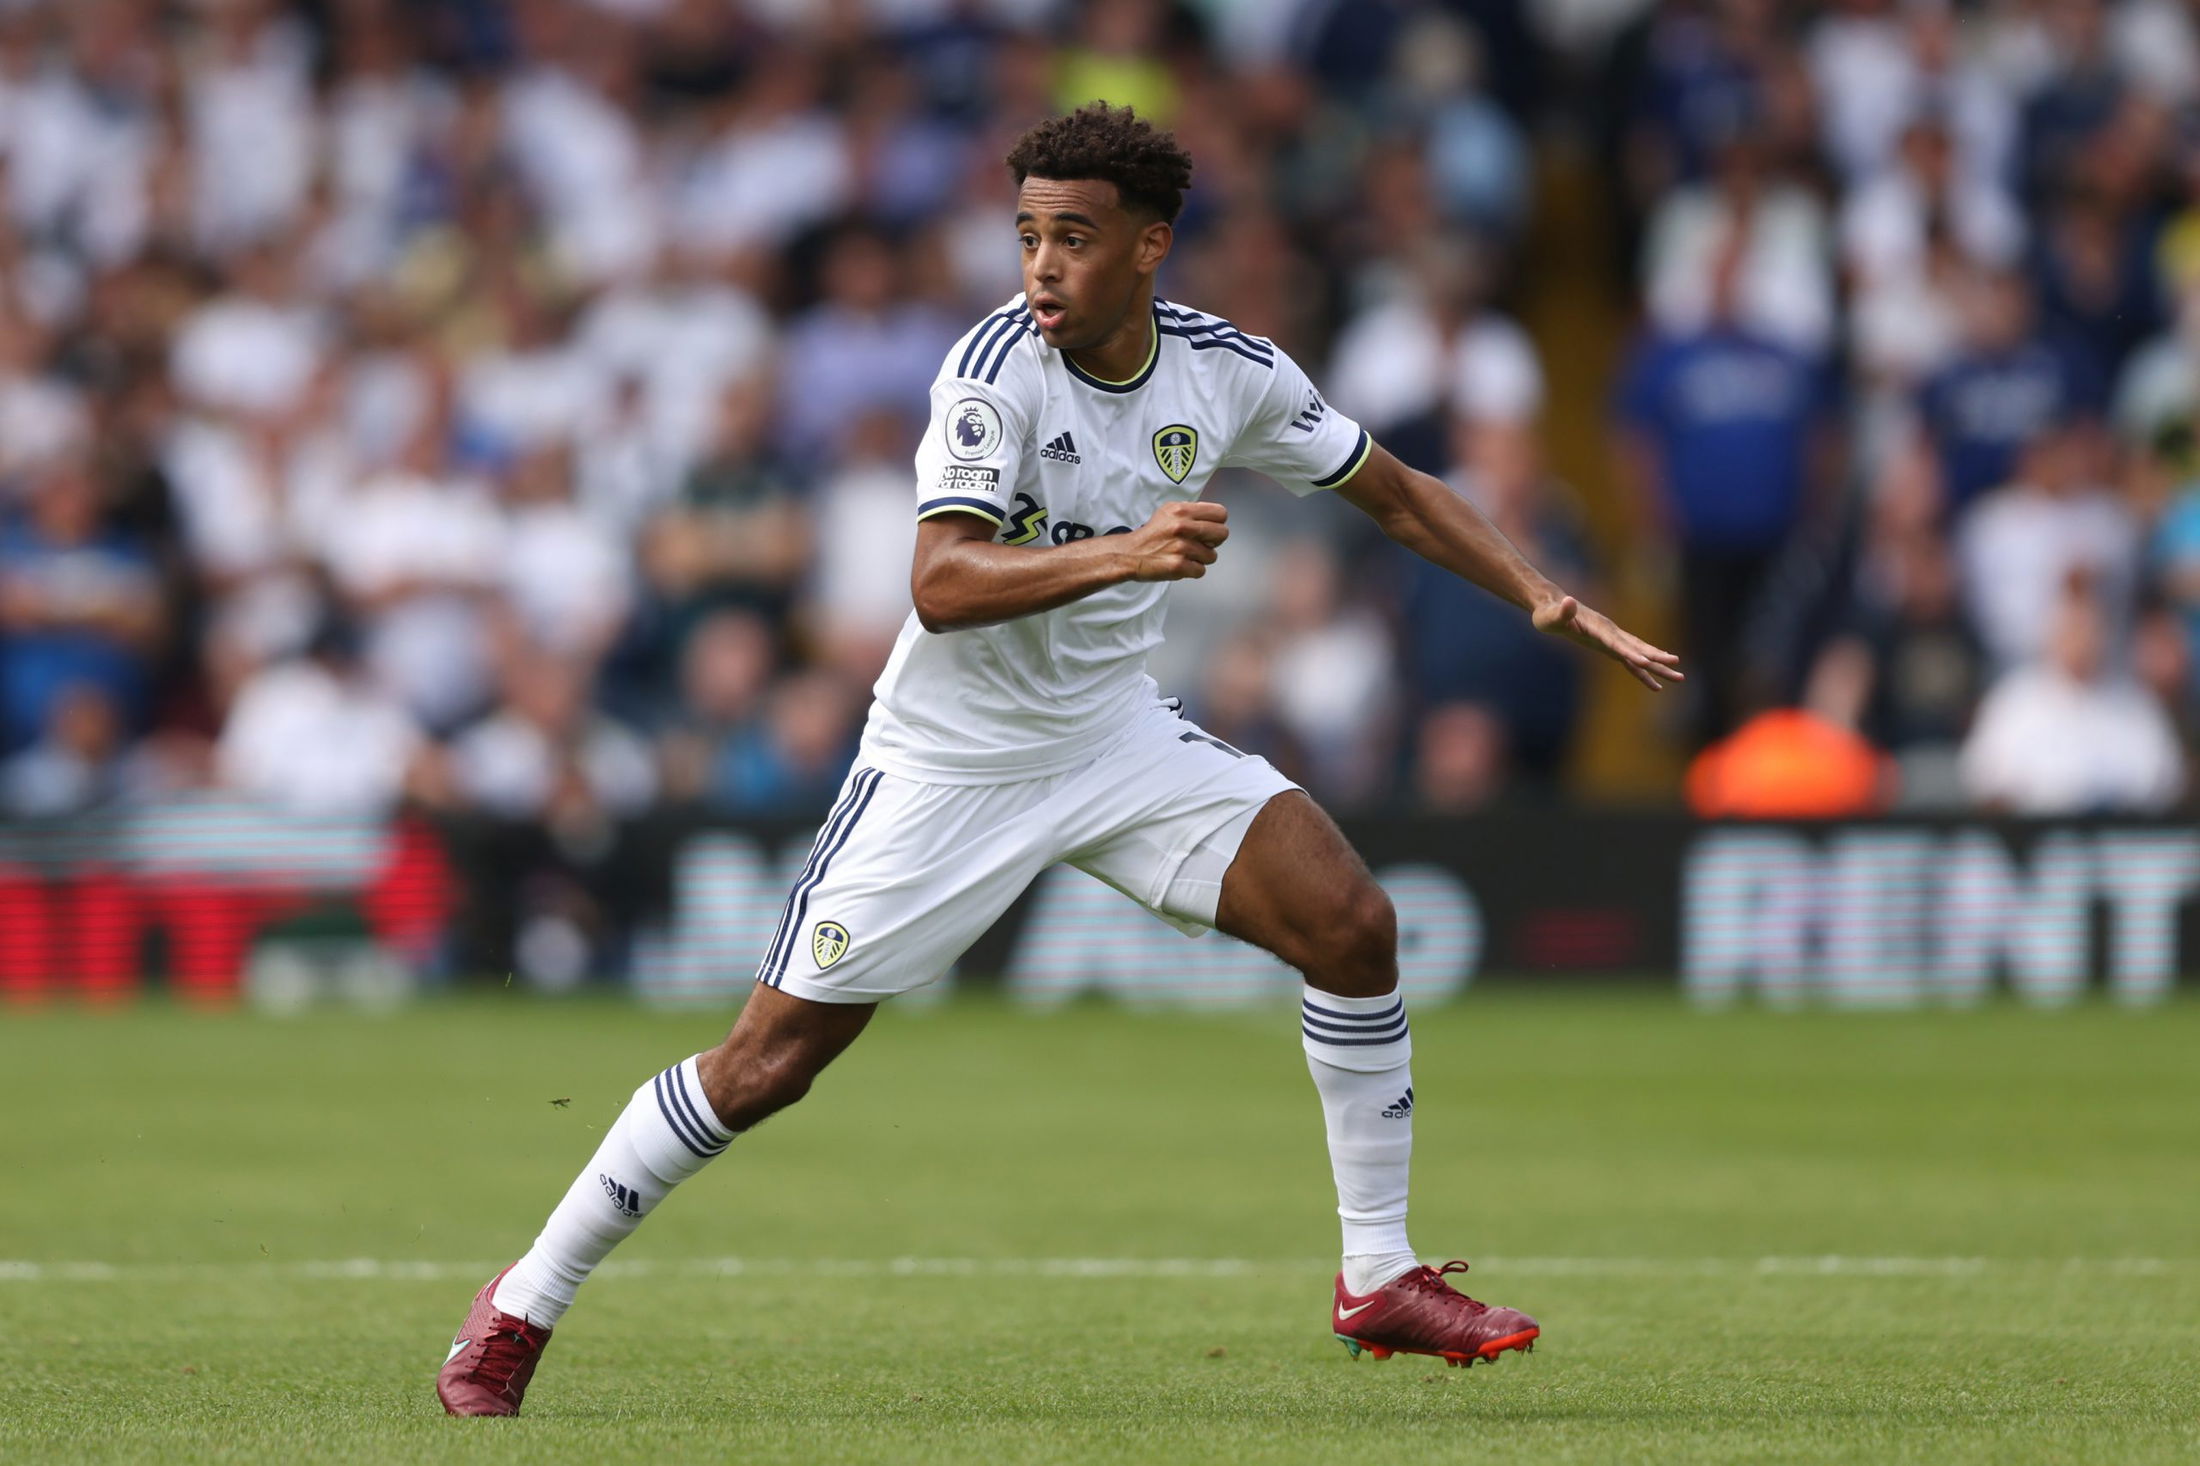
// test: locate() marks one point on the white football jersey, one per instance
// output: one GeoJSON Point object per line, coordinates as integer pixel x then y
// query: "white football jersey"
{"type": "Point", "coordinates": [1051, 453]}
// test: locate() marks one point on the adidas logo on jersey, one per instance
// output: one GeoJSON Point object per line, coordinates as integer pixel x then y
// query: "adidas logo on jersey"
{"type": "Point", "coordinates": [1401, 1108]}
{"type": "Point", "coordinates": [1063, 450]}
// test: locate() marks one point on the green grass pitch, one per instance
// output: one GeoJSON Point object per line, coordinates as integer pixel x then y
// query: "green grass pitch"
{"type": "Point", "coordinates": [994, 1236]}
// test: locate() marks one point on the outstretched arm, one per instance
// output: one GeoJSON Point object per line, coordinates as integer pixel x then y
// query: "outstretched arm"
{"type": "Point", "coordinates": [961, 578]}
{"type": "Point", "coordinates": [1424, 515]}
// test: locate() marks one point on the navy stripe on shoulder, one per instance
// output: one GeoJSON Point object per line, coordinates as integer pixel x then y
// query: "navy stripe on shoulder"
{"type": "Point", "coordinates": [1199, 323]}
{"type": "Point", "coordinates": [982, 336]}
{"type": "Point", "coordinates": [1020, 325]}
{"type": "Point", "coordinates": [1242, 345]}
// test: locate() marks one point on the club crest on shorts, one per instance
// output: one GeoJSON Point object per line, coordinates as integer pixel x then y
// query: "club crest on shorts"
{"type": "Point", "coordinates": [1174, 448]}
{"type": "Point", "coordinates": [828, 943]}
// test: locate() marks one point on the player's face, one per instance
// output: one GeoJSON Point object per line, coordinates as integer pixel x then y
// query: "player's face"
{"type": "Point", "coordinates": [1085, 258]}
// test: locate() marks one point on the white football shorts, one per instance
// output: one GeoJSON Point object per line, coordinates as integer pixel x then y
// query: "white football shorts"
{"type": "Point", "coordinates": [904, 876]}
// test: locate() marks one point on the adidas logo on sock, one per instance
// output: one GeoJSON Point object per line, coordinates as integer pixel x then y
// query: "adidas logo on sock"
{"type": "Point", "coordinates": [1063, 449]}
{"type": "Point", "coordinates": [623, 1196]}
{"type": "Point", "coordinates": [1401, 1108]}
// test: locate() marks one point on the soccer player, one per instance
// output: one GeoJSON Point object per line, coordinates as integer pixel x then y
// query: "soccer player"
{"type": "Point", "coordinates": [1058, 489]}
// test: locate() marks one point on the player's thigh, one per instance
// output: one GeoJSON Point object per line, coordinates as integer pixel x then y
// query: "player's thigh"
{"type": "Point", "coordinates": [1297, 888]}
{"type": "Point", "coordinates": [1162, 815]}
{"type": "Point", "coordinates": [902, 879]}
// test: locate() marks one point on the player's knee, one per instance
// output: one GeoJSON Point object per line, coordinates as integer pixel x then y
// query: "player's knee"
{"type": "Point", "coordinates": [1358, 945]}
{"type": "Point", "coordinates": [758, 1082]}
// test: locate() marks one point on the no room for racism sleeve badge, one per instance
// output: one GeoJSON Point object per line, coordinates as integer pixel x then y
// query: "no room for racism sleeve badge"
{"type": "Point", "coordinates": [1174, 448]}
{"type": "Point", "coordinates": [828, 943]}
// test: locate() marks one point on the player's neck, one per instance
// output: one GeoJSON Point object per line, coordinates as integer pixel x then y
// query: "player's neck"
{"type": "Point", "coordinates": [1124, 354]}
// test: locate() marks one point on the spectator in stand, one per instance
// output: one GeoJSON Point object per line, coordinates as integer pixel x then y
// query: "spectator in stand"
{"type": "Point", "coordinates": [1980, 410]}
{"type": "Point", "coordinates": [2020, 547]}
{"type": "Point", "coordinates": [1905, 667]}
{"type": "Point", "coordinates": [1460, 755]}
{"type": "Point", "coordinates": [564, 572]}
{"type": "Point", "coordinates": [546, 780]}
{"type": "Point", "coordinates": [686, 333]}
{"type": "Point", "coordinates": [864, 347]}
{"type": "Point", "coordinates": [1236, 702]}
{"type": "Point", "coordinates": [1335, 690]}
{"type": "Point", "coordinates": [1901, 230]}
{"type": "Point", "coordinates": [1723, 438]}
{"type": "Point", "coordinates": [1478, 160]}
{"type": "Point", "coordinates": [792, 764]}
{"type": "Point", "coordinates": [2076, 98]}
{"type": "Point", "coordinates": [79, 605]}
{"type": "Point", "coordinates": [78, 766]}
{"type": "Point", "coordinates": [2095, 266]}
{"type": "Point", "coordinates": [738, 534]}
{"type": "Point", "coordinates": [2070, 734]}
{"type": "Point", "coordinates": [253, 349]}
{"type": "Point", "coordinates": [1466, 649]}
{"type": "Point", "coordinates": [545, 754]}
{"type": "Point", "coordinates": [725, 670]}
{"type": "Point", "coordinates": [1749, 248]}
{"type": "Point", "coordinates": [1429, 347]}
{"type": "Point", "coordinates": [858, 592]}
{"type": "Point", "coordinates": [2173, 563]}
{"type": "Point", "coordinates": [417, 555]}
{"type": "Point", "coordinates": [2159, 393]}
{"type": "Point", "coordinates": [314, 735]}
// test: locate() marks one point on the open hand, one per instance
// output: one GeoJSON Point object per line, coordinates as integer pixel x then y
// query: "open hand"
{"type": "Point", "coordinates": [1567, 617]}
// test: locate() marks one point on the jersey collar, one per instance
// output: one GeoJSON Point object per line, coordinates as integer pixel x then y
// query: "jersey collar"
{"type": "Point", "coordinates": [1137, 380]}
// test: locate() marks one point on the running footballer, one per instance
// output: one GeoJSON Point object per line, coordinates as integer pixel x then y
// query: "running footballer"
{"type": "Point", "coordinates": [1058, 493]}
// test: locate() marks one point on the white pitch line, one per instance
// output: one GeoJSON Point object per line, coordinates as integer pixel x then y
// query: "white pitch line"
{"type": "Point", "coordinates": [368, 1269]}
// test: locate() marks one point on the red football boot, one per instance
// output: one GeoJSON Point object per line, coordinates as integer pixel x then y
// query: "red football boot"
{"type": "Point", "coordinates": [491, 1360]}
{"type": "Point", "coordinates": [1420, 1313]}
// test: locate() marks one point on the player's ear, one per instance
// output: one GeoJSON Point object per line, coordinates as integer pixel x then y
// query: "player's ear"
{"type": "Point", "coordinates": [1153, 245]}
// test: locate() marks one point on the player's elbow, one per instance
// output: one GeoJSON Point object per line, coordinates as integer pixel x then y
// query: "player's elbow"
{"type": "Point", "coordinates": [938, 607]}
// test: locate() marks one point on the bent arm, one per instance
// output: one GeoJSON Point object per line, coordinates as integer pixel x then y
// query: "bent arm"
{"type": "Point", "coordinates": [1424, 515]}
{"type": "Point", "coordinates": [1442, 527]}
{"type": "Point", "coordinates": [961, 578]}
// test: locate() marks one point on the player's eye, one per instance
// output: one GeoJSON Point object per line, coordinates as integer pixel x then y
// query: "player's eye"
{"type": "Point", "coordinates": [1029, 241]}
{"type": "Point", "coordinates": [1073, 240]}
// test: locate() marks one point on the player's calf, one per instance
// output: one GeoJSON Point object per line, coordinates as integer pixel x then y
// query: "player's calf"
{"type": "Point", "coordinates": [777, 1048]}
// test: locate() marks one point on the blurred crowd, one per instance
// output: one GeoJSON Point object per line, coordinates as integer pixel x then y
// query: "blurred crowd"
{"type": "Point", "coordinates": [1914, 407]}
{"type": "Point", "coordinates": [506, 406]}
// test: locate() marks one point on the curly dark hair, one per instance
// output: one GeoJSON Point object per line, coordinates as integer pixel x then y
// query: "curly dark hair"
{"type": "Point", "coordinates": [1114, 145]}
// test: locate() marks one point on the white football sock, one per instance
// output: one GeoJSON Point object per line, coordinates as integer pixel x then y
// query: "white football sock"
{"type": "Point", "coordinates": [665, 1134]}
{"type": "Point", "coordinates": [1360, 1053]}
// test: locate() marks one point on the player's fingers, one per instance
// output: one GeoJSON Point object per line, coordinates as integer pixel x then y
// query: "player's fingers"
{"type": "Point", "coordinates": [1194, 550]}
{"type": "Point", "coordinates": [1204, 532]}
{"type": "Point", "coordinates": [1190, 569]}
{"type": "Point", "coordinates": [1205, 509]}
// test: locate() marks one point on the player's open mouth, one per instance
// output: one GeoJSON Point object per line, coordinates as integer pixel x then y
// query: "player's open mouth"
{"type": "Point", "coordinates": [1049, 314]}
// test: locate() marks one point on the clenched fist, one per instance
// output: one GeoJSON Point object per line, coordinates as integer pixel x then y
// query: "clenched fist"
{"type": "Point", "coordinates": [1179, 542]}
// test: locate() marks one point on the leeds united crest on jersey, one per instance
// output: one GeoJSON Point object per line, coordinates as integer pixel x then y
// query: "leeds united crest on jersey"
{"type": "Point", "coordinates": [1174, 448]}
